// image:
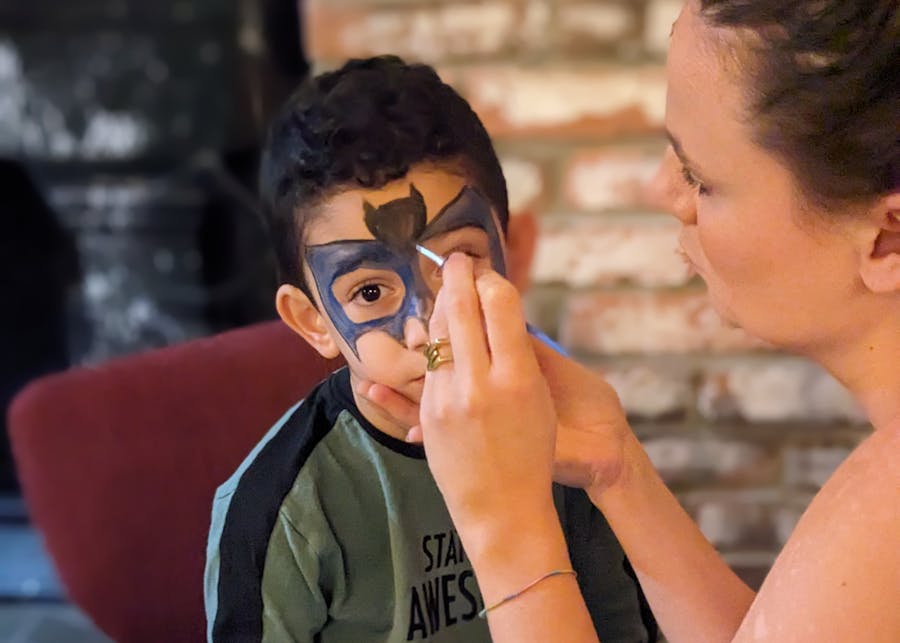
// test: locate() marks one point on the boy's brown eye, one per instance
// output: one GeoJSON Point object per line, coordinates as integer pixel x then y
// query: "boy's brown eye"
{"type": "Point", "coordinates": [370, 293]}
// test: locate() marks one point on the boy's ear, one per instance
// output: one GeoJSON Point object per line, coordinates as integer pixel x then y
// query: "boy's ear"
{"type": "Point", "coordinates": [880, 263]}
{"type": "Point", "coordinates": [521, 240]}
{"type": "Point", "coordinates": [301, 315]}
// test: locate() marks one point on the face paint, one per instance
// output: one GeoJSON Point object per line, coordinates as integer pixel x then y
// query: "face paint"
{"type": "Point", "coordinates": [397, 227]}
{"type": "Point", "coordinates": [399, 223]}
{"type": "Point", "coordinates": [469, 210]}
{"type": "Point", "coordinates": [331, 261]}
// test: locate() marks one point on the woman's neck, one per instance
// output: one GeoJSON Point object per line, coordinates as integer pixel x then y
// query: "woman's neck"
{"type": "Point", "coordinates": [870, 368]}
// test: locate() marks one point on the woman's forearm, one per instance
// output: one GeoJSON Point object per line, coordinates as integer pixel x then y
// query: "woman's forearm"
{"type": "Point", "coordinates": [693, 593]}
{"type": "Point", "coordinates": [508, 558]}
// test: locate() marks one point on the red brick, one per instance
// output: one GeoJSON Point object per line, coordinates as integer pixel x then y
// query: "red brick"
{"type": "Point", "coordinates": [524, 182]}
{"type": "Point", "coordinates": [810, 467]}
{"type": "Point", "coordinates": [645, 322]}
{"type": "Point", "coordinates": [421, 31]}
{"type": "Point", "coordinates": [614, 178]}
{"type": "Point", "coordinates": [588, 251]}
{"type": "Point", "coordinates": [566, 101]}
{"type": "Point", "coordinates": [703, 459]}
{"type": "Point", "coordinates": [735, 520]}
{"type": "Point", "coordinates": [658, 24]}
{"type": "Point", "coordinates": [651, 391]}
{"type": "Point", "coordinates": [751, 566]}
{"type": "Point", "coordinates": [775, 389]}
{"type": "Point", "coordinates": [601, 27]}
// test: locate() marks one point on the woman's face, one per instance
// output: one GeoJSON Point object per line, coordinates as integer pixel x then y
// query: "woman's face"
{"type": "Point", "coordinates": [771, 263]}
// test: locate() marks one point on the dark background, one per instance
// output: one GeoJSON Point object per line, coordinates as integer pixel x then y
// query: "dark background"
{"type": "Point", "coordinates": [129, 142]}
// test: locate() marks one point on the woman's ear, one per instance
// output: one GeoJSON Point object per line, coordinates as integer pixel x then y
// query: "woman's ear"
{"type": "Point", "coordinates": [521, 240]}
{"type": "Point", "coordinates": [880, 266]}
{"type": "Point", "coordinates": [301, 315]}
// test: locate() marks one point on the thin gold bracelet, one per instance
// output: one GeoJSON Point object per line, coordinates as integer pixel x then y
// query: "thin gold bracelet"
{"type": "Point", "coordinates": [506, 599]}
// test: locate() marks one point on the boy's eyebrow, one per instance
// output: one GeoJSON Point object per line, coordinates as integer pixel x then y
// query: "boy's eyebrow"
{"type": "Point", "coordinates": [365, 251]}
{"type": "Point", "coordinates": [346, 266]}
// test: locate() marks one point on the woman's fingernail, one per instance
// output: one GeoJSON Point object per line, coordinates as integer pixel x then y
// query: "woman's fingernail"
{"type": "Point", "coordinates": [461, 256]}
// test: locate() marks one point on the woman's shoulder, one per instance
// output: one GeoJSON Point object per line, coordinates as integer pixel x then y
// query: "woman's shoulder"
{"type": "Point", "coordinates": [838, 577]}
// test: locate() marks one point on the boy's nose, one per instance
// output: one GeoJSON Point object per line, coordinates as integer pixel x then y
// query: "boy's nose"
{"type": "Point", "coordinates": [415, 334]}
{"type": "Point", "coordinates": [668, 192]}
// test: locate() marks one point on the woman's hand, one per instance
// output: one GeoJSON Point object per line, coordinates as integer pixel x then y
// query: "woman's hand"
{"type": "Point", "coordinates": [488, 425]}
{"type": "Point", "coordinates": [402, 410]}
{"type": "Point", "coordinates": [487, 417]}
{"type": "Point", "coordinates": [591, 431]}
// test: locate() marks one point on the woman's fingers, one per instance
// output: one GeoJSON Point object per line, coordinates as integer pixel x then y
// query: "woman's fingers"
{"type": "Point", "coordinates": [562, 373]}
{"type": "Point", "coordinates": [400, 408]}
{"type": "Point", "coordinates": [457, 316]}
{"type": "Point", "coordinates": [485, 429]}
{"type": "Point", "coordinates": [414, 435]}
{"type": "Point", "coordinates": [591, 429]}
{"type": "Point", "coordinates": [504, 320]}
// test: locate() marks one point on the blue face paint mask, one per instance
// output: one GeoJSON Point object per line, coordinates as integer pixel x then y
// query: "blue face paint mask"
{"type": "Point", "coordinates": [397, 227]}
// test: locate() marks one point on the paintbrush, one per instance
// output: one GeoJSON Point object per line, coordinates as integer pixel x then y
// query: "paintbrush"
{"type": "Point", "coordinates": [534, 331]}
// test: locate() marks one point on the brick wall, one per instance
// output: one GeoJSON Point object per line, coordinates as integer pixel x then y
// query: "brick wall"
{"type": "Point", "coordinates": [573, 93]}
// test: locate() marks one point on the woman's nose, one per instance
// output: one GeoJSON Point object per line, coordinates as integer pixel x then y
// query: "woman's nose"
{"type": "Point", "coordinates": [668, 191]}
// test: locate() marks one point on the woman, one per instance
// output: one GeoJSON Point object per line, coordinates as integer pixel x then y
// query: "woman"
{"type": "Point", "coordinates": [784, 169]}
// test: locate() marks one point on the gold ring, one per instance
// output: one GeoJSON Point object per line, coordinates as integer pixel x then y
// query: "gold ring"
{"type": "Point", "coordinates": [433, 353]}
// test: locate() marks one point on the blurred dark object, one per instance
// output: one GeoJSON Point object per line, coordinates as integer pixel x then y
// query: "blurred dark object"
{"type": "Point", "coordinates": [137, 126]}
{"type": "Point", "coordinates": [122, 491]}
{"type": "Point", "coordinates": [116, 81]}
{"type": "Point", "coordinates": [104, 81]}
{"type": "Point", "coordinates": [38, 268]}
{"type": "Point", "coordinates": [142, 268]}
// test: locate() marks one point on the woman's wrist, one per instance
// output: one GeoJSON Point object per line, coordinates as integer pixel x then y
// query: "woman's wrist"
{"type": "Point", "coordinates": [636, 467]}
{"type": "Point", "coordinates": [511, 550]}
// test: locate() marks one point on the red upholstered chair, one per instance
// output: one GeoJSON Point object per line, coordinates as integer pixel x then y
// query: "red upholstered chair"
{"type": "Point", "coordinates": [118, 464]}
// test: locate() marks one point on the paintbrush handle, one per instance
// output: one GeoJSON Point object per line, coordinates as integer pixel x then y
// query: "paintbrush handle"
{"type": "Point", "coordinates": [534, 331]}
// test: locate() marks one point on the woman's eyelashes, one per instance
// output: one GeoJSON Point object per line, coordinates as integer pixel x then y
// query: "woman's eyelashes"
{"type": "Point", "coordinates": [692, 181]}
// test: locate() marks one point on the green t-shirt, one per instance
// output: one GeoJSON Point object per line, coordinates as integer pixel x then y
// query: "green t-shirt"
{"type": "Point", "coordinates": [331, 531]}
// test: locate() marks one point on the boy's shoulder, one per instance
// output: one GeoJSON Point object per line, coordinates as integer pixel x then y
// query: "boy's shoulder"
{"type": "Point", "coordinates": [290, 440]}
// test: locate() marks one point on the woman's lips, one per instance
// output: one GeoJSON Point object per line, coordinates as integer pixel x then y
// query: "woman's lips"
{"type": "Point", "coordinates": [687, 241]}
{"type": "Point", "coordinates": [688, 262]}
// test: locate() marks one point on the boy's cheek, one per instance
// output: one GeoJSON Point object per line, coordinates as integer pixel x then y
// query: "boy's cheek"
{"type": "Point", "coordinates": [385, 361]}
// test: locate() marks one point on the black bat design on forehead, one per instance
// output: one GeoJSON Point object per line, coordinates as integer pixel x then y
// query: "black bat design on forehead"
{"type": "Point", "coordinates": [398, 223]}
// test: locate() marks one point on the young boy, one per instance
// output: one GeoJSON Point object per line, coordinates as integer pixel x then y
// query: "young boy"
{"type": "Point", "coordinates": [333, 529]}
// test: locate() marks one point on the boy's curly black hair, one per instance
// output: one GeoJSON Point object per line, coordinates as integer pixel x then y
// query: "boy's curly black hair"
{"type": "Point", "coordinates": [363, 126]}
{"type": "Point", "coordinates": [823, 89]}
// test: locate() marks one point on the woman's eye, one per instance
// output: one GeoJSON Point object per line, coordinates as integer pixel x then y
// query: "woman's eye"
{"type": "Point", "coordinates": [692, 181]}
{"type": "Point", "coordinates": [370, 292]}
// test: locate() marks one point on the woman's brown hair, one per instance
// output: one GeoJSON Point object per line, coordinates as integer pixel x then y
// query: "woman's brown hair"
{"type": "Point", "coordinates": [823, 80]}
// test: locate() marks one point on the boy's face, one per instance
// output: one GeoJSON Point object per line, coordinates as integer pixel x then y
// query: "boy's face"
{"type": "Point", "coordinates": [374, 290]}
